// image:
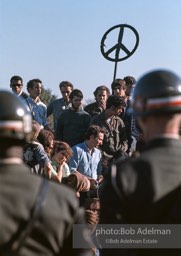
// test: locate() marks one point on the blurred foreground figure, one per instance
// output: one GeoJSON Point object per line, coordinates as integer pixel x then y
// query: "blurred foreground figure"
{"type": "Point", "coordinates": [147, 189]}
{"type": "Point", "coordinates": [36, 216]}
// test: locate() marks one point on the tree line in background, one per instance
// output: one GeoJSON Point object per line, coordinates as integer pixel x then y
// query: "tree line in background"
{"type": "Point", "coordinates": [47, 97]}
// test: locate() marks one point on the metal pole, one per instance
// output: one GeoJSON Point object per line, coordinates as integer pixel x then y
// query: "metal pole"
{"type": "Point", "coordinates": [115, 71]}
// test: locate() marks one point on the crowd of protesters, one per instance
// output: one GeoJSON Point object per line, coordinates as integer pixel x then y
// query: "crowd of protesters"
{"type": "Point", "coordinates": [85, 140]}
{"type": "Point", "coordinates": [88, 141]}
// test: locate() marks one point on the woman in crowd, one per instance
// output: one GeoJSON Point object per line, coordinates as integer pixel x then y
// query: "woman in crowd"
{"type": "Point", "coordinates": [60, 155]}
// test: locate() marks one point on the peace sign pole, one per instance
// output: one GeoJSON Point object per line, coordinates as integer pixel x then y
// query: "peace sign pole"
{"type": "Point", "coordinates": [119, 45]}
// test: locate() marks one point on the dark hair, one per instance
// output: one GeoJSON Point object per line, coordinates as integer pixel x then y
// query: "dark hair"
{"type": "Point", "coordinates": [45, 137]}
{"type": "Point", "coordinates": [115, 101]}
{"type": "Point", "coordinates": [16, 78]}
{"type": "Point", "coordinates": [129, 80]}
{"type": "Point", "coordinates": [77, 93]}
{"type": "Point", "coordinates": [93, 130]}
{"type": "Point", "coordinates": [60, 146]}
{"type": "Point", "coordinates": [30, 84]}
{"type": "Point", "coordinates": [101, 88]}
{"type": "Point", "coordinates": [66, 84]}
{"type": "Point", "coordinates": [118, 83]}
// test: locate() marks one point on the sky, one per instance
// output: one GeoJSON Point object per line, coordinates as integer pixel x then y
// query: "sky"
{"type": "Point", "coordinates": [57, 40]}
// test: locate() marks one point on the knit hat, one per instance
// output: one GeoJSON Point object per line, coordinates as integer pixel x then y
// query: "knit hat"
{"type": "Point", "coordinates": [78, 181]}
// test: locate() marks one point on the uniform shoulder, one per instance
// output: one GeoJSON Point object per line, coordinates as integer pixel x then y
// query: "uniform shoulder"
{"type": "Point", "coordinates": [57, 194]}
{"type": "Point", "coordinates": [131, 169]}
{"type": "Point", "coordinates": [61, 193]}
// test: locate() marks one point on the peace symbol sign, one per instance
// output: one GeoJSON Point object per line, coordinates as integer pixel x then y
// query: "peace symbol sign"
{"type": "Point", "coordinates": [120, 46]}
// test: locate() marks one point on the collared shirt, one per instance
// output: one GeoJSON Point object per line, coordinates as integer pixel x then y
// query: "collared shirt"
{"type": "Point", "coordinates": [38, 110]}
{"type": "Point", "coordinates": [56, 107]}
{"type": "Point", "coordinates": [84, 162]}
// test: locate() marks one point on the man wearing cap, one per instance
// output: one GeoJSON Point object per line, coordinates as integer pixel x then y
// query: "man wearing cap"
{"type": "Point", "coordinates": [147, 189]}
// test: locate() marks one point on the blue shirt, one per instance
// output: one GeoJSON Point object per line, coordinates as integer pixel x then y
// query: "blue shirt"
{"type": "Point", "coordinates": [38, 111]}
{"type": "Point", "coordinates": [84, 162]}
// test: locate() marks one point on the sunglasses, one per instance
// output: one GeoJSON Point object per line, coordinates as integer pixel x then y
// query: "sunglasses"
{"type": "Point", "coordinates": [16, 85]}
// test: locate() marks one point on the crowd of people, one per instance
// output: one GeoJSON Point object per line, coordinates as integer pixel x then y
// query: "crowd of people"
{"type": "Point", "coordinates": [113, 161]}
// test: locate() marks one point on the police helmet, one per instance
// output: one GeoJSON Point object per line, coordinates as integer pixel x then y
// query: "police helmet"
{"type": "Point", "coordinates": [157, 92]}
{"type": "Point", "coordinates": [15, 120]}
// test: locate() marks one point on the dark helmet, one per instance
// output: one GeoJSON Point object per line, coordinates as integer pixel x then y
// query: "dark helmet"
{"type": "Point", "coordinates": [15, 120]}
{"type": "Point", "coordinates": [157, 92]}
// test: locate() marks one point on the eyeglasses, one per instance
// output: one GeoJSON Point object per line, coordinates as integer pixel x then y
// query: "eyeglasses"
{"type": "Point", "coordinates": [16, 85]}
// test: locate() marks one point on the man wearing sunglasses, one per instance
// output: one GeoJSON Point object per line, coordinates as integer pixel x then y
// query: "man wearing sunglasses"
{"type": "Point", "coordinates": [16, 84]}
